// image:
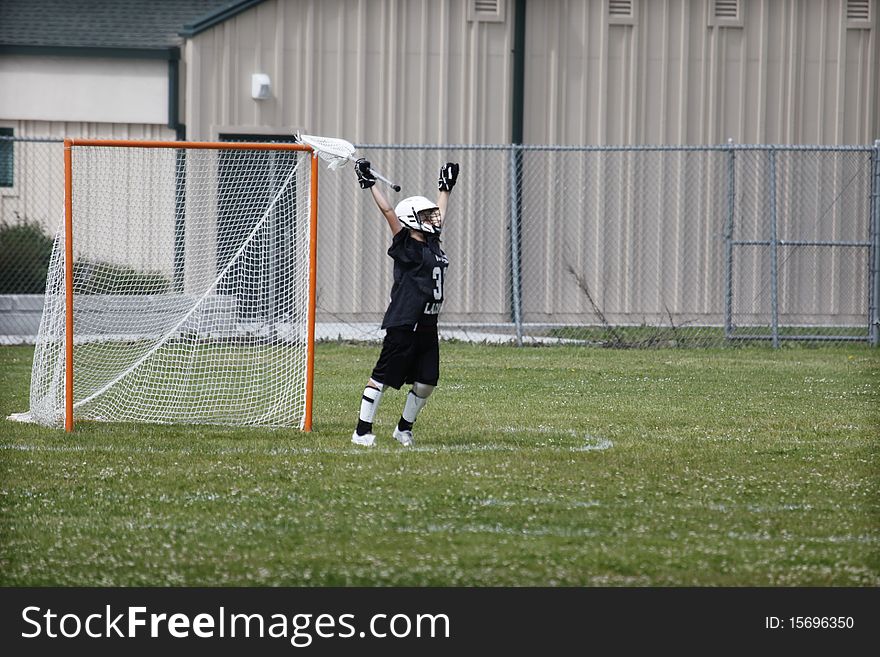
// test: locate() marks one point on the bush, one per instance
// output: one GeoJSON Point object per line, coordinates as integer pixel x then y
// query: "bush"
{"type": "Point", "coordinates": [25, 251]}
{"type": "Point", "coordinates": [24, 258]}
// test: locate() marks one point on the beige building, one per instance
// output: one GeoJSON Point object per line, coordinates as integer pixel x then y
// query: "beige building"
{"type": "Point", "coordinates": [447, 71]}
{"type": "Point", "coordinates": [594, 71]}
{"type": "Point", "coordinates": [647, 232]}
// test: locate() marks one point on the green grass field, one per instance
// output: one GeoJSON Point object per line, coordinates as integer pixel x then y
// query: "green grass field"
{"type": "Point", "coordinates": [536, 466]}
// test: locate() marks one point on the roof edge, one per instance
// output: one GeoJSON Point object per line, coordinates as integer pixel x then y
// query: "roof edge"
{"type": "Point", "coordinates": [210, 20]}
{"type": "Point", "coordinates": [170, 53]}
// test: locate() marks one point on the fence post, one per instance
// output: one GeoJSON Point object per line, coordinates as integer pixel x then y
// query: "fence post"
{"type": "Point", "coordinates": [874, 265]}
{"type": "Point", "coordinates": [774, 253]}
{"type": "Point", "coordinates": [728, 241]}
{"type": "Point", "coordinates": [515, 177]}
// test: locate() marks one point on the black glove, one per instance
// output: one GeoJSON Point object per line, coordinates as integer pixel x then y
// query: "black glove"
{"type": "Point", "coordinates": [365, 176]}
{"type": "Point", "coordinates": [448, 176]}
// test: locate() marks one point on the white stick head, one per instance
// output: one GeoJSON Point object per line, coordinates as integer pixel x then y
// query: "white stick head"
{"type": "Point", "coordinates": [336, 152]}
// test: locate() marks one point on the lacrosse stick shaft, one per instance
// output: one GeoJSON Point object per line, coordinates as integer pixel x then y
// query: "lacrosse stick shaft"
{"type": "Point", "coordinates": [336, 150]}
{"type": "Point", "coordinates": [379, 176]}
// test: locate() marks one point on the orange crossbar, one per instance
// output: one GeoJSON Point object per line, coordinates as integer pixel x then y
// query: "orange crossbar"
{"type": "Point", "coordinates": [68, 248]}
{"type": "Point", "coordinates": [224, 145]}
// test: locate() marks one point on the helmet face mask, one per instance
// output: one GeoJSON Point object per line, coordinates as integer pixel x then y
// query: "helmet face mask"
{"type": "Point", "coordinates": [418, 213]}
{"type": "Point", "coordinates": [431, 217]}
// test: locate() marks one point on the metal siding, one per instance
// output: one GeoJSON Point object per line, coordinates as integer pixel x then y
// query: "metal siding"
{"type": "Point", "coordinates": [412, 71]}
{"type": "Point", "coordinates": [671, 78]}
{"type": "Point", "coordinates": [793, 73]}
{"type": "Point", "coordinates": [379, 71]}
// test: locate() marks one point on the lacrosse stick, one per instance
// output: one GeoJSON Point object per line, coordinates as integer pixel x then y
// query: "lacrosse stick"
{"type": "Point", "coordinates": [338, 152]}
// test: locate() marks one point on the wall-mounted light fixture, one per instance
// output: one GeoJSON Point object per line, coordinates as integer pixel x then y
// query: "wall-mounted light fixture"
{"type": "Point", "coordinates": [261, 86]}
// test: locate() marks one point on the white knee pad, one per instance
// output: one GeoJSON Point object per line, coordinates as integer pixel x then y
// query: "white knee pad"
{"type": "Point", "coordinates": [422, 390]}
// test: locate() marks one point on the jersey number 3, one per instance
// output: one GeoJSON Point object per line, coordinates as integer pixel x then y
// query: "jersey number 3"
{"type": "Point", "coordinates": [437, 275]}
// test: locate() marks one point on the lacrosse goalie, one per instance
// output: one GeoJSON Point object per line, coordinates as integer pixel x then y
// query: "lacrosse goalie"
{"type": "Point", "coordinates": [410, 351]}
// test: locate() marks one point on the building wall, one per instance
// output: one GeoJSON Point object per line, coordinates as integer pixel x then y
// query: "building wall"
{"type": "Point", "coordinates": [378, 71]}
{"type": "Point", "coordinates": [87, 89]}
{"type": "Point", "coordinates": [80, 97]}
{"type": "Point", "coordinates": [787, 71]}
{"type": "Point", "coordinates": [37, 193]}
{"type": "Point", "coordinates": [670, 72]}
{"type": "Point", "coordinates": [413, 71]}
{"type": "Point", "coordinates": [409, 71]}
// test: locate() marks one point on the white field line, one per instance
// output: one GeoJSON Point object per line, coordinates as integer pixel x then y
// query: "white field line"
{"type": "Point", "coordinates": [566, 532]}
{"type": "Point", "coordinates": [591, 444]}
{"type": "Point", "coordinates": [450, 528]}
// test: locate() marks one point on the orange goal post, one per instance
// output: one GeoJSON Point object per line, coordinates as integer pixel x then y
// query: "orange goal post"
{"type": "Point", "coordinates": [181, 288]}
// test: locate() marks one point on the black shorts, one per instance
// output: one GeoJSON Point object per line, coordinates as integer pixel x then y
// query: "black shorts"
{"type": "Point", "coordinates": [408, 356]}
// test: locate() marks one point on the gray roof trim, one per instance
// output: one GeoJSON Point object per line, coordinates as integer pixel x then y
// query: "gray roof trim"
{"type": "Point", "coordinates": [209, 21]}
{"type": "Point", "coordinates": [76, 51]}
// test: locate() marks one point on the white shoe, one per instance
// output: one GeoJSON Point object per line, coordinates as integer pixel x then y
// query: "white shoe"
{"type": "Point", "coordinates": [405, 437]}
{"type": "Point", "coordinates": [367, 440]}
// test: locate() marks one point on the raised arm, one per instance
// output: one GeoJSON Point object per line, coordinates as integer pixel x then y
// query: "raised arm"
{"type": "Point", "coordinates": [368, 181]}
{"type": "Point", "coordinates": [448, 177]}
{"type": "Point", "coordinates": [386, 210]}
{"type": "Point", "coordinates": [442, 200]}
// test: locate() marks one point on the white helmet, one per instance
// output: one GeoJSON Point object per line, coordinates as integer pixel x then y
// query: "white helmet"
{"type": "Point", "coordinates": [419, 213]}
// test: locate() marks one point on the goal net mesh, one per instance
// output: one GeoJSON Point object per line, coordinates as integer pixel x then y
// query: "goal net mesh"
{"type": "Point", "coordinates": [190, 289]}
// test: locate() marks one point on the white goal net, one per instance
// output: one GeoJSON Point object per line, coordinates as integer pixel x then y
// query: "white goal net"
{"type": "Point", "coordinates": [190, 288]}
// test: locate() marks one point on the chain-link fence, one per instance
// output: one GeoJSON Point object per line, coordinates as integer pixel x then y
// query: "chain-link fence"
{"type": "Point", "coordinates": [612, 246]}
{"type": "Point", "coordinates": [31, 203]}
{"type": "Point", "coordinates": [628, 246]}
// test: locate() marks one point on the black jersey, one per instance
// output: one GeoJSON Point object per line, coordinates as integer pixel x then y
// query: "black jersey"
{"type": "Point", "coordinates": [419, 274]}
